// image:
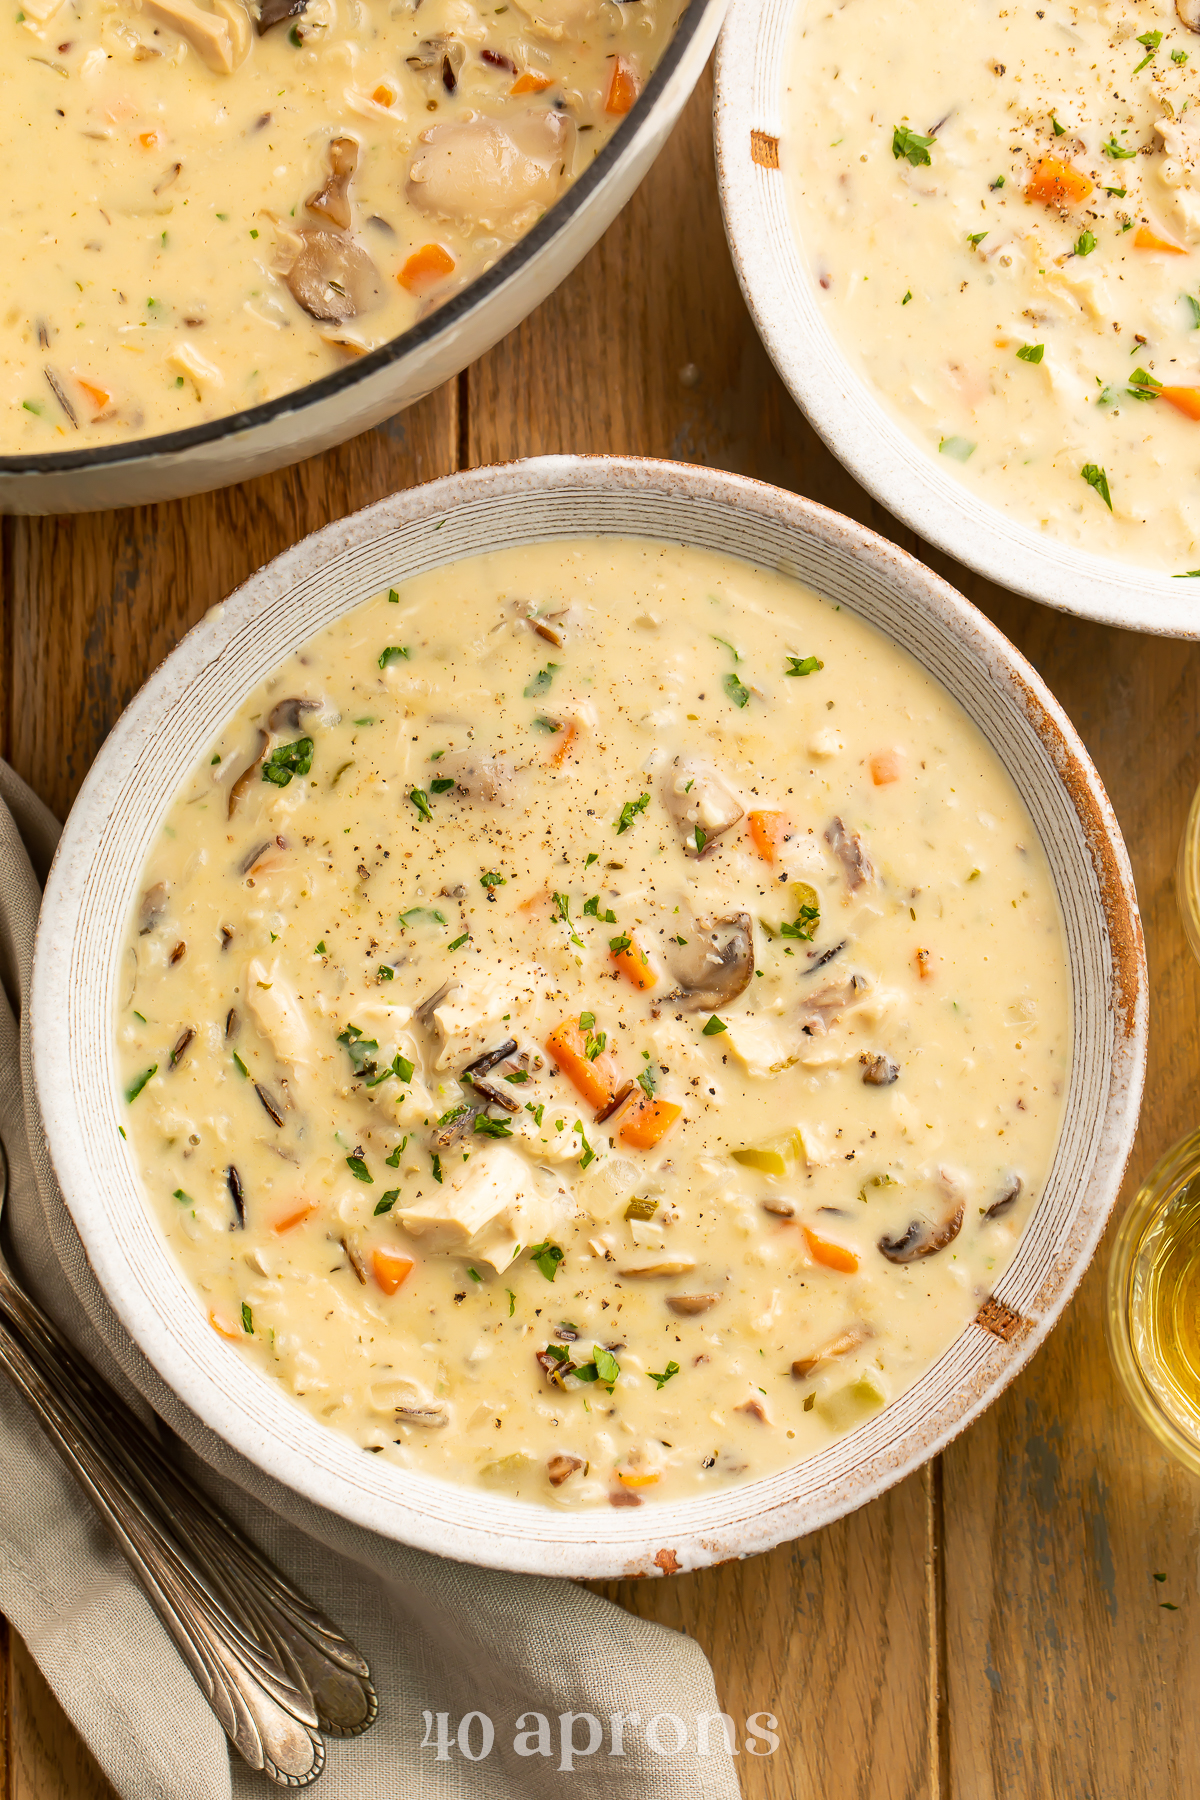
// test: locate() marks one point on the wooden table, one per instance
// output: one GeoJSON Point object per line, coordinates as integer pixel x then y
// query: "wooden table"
{"type": "Point", "coordinates": [991, 1627]}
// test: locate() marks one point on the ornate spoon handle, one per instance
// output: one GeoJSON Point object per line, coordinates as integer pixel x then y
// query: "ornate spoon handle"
{"type": "Point", "coordinates": [267, 1718]}
{"type": "Point", "coordinates": [308, 1645]}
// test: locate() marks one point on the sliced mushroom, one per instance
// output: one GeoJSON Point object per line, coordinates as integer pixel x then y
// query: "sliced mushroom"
{"type": "Point", "coordinates": [287, 715]}
{"type": "Point", "coordinates": [332, 277]}
{"type": "Point", "coordinates": [247, 775]}
{"type": "Point", "coordinates": [221, 38]}
{"type": "Point", "coordinates": [658, 1265]}
{"type": "Point", "coordinates": [332, 201]}
{"type": "Point", "coordinates": [479, 171]}
{"type": "Point", "coordinates": [701, 802]}
{"type": "Point", "coordinates": [825, 1007]}
{"type": "Point", "coordinates": [1006, 1200]}
{"type": "Point", "coordinates": [842, 1345]}
{"type": "Point", "coordinates": [152, 908]}
{"type": "Point", "coordinates": [923, 1238]}
{"type": "Point", "coordinates": [879, 1070]}
{"type": "Point", "coordinates": [687, 1306]}
{"type": "Point", "coordinates": [181, 1045]}
{"type": "Point", "coordinates": [477, 776]}
{"type": "Point", "coordinates": [711, 973]}
{"type": "Point", "coordinates": [847, 847]}
{"type": "Point", "coordinates": [432, 1417]}
{"type": "Point", "coordinates": [780, 1209]}
{"type": "Point", "coordinates": [274, 12]}
{"type": "Point", "coordinates": [1189, 13]}
{"type": "Point", "coordinates": [561, 1466]}
{"type": "Point", "coordinates": [756, 1410]}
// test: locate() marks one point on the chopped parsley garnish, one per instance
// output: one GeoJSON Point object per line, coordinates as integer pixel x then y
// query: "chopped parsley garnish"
{"type": "Point", "coordinates": [1031, 353]}
{"type": "Point", "coordinates": [518, 1077]}
{"type": "Point", "coordinates": [1193, 306]}
{"type": "Point", "coordinates": [592, 856]}
{"type": "Point", "coordinates": [393, 1161]}
{"type": "Point", "coordinates": [474, 1274]}
{"type": "Point", "coordinates": [1142, 385]}
{"type": "Point", "coordinates": [541, 682]}
{"type": "Point", "coordinates": [512, 1302]}
{"type": "Point", "coordinates": [544, 723]}
{"type": "Point", "coordinates": [672, 1368]}
{"type": "Point", "coordinates": [493, 880]}
{"type": "Point", "coordinates": [546, 1257]}
{"type": "Point", "coordinates": [1058, 129]}
{"type": "Point", "coordinates": [647, 1081]}
{"type": "Point", "coordinates": [975, 238]}
{"type": "Point", "coordinates": [247, 1318]}
{"type": "Point", "coordinates": [912, 145]}
{"type": "Point", "coordinates": [320, 949]}
{"type": "Point", "coordinates": [399, 1066]}
{"type": "Point", "coordinates": [489, 1127]}
{"type": "Point", "coordinates": [421, 912]}
{"type": "Point", "coordinates": [808, 917]}
{"type": "Point", "coordinates": [737, 690]}
{"type": "Point", "coordinates": [181, 1196]}
{"type": "Point", "coordinates": [287, 760]}
{"type": "Point", "coordinates": [1151, 40]}
{"type": "Point", "coordinates": [1118, 151]}
{"type": "Point", "coordinates": [386, 972]}
{"type": "Point", "coordinates": [608, 1369]}
{"type": "Point", "coordinates": [960, 448]}
{"type": "Point", "coordinates": [630, 811]}
{"type": "Point", "coordinates": [714, 1027]}
{"type": "Point", "coordinates": [1185, 574]}
{"type": "Point", "coordinates": [241, 1067]}
{"type": "Point", "coordinates": [1096, 478]}
{"type": "Point", "coordinates": [361, 1050]}
{"type": "Point", "coordinates": [1117, 193]}
{"type": "Point", "coordinates": [701, 838]}
{"type": "Point", "coordinates": [804, 665]}
{"type": "Point", "coordinates": [589, 1155]}
{"type": "Point", "coordinates": [141, 1016]}
{"type": "Point", "coordinates": [436, 1161]}
{"type": "Point", "coordinates": [537, 1111]}
{"type": "Point", "coordinates": [443, 784]}
{"type": "Point", "coordinates": [907, 298]}
{"type": "Point", "coordinates": [420, 800]}
{"type": "Point", "coordinates": [386, 1201]}
{"type": "Point", "coordinates": [1085, 243]}
{"type": "Point", "coordinates": [1179, 56]}
{"type": "Point", "coordinates": [393, 597]}
{"type": "Point", "coordinates": [393, 653]}
{"type": "Point", "coordinates": [592, 909]}
{"type": "Point", "coordinates": [617, 944]}
{"type": "Point", "coordinates": [359, 1170]}
{"type": "Point", "coordinates": [726, 645]}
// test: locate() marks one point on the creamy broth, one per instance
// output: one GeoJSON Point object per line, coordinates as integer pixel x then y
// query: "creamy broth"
{"type": "Point", "coordinates": [595, 1023]}
{"type": "Point", "coordinates": [1022, 290]}
{"type": "Point", "coordinates": [216, 213]}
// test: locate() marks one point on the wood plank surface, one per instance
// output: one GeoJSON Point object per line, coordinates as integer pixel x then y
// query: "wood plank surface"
{"type": "Point", "coordinates": [990, 1628]}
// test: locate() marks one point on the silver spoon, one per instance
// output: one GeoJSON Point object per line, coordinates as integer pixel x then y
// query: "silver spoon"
{"type": "Point", "coordinates": [275, 1671]}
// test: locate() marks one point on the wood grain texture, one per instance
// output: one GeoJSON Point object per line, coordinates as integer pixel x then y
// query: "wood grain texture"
{"type": "Point", "coordinates": [48, 1761]}
{"type": "Point", "coordinates": [991, 1629]}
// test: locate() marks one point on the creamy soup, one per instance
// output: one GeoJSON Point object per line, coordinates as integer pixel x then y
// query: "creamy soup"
{"type": "Point", "coordinates": [595, 1023]}
{"type": "Point", "coordinates": [209, 206]}
{"type": "Point", "coordinates": [1000, 205]}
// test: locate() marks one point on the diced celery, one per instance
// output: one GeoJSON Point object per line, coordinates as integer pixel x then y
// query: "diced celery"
{"type": "Point", "coordinates": [851, 1405]}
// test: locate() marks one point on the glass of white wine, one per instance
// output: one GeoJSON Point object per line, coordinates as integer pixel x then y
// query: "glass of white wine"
{"type": "Point", "coordinates": [1153, 1315]}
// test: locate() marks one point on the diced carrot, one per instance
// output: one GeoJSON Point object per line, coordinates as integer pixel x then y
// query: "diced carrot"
{"type": "Point", "coordinates": [925, 964]}
{"type": "Point", "coordinates": [529, 83]}
{"type": "Point", "coordinates": [390, 1269]}
{"type": "Point", "coordinates": [563, 741]}
{"type": "Point", "coordinates": [225, 1329]}
{"type": "Point", "coordinates": [769, 830]}
{"type": "Point", "coordinates": [1057, 183]}
{"type": "Point", "coordinates": [636, 1478]}
{"type": "Point", "coordinates": [623, 88]}
{"type": "Point", "coordinates": [832, 1256]}
{"type": "Point", "coordinates": [635, 965]}
{"type": "Point", "coordinates": [99, 397]}
{"type": "Point", "coordinates": [295, 1215]}
{"type": "Point", "coordinates": [424, 267]}
{"type": "Point", "coordinates": [384, 95]}
{"type": "Point", "coordinates": [648, 1122]}
{"type": "Point", "coordinates": [1145, 239]}
{"type": "Point", "coordinates": [148, 139]}
{"type": "Point", "coordinates": [597, 1078]}
{"type": "Point", "coordinates": [1183, 399]}
{"type": "Point", "coordinates": [886, 766]}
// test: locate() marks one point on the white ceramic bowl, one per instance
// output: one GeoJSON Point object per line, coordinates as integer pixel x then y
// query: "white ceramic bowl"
{"type": "Point", "coordinates": [400, 372]}
{"type": "Point", "coordinates": [755, 147]}
{"type": "Point", "coordinates": [117, 817]}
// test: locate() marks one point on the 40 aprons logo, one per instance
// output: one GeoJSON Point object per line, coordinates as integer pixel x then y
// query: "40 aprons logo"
{"type": "Point", "coordinates": [572, 1736]}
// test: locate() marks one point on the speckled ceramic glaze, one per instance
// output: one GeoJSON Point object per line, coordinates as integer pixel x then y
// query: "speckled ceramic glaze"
{"type": "Point", "coordinates": [399, 373]}
{"type": "Point", "coordinates": [133, 781]}
{"type": "Point", "coordinates": [753, 150]}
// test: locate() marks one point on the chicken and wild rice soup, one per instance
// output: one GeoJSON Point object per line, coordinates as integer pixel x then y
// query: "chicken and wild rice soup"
{"type": "Point", "coordinates": [594, 1023]}
{"type": "Point", "coordinates": [229, 200]}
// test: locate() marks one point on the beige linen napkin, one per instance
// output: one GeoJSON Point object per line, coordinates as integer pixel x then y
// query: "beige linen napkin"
{"type": "Point", "coordinates": [444, 1640]}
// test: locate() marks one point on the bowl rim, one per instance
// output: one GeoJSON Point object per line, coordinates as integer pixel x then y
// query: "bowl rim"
{"type": "Point", "coordinates": [621, 147]}
{"type": "Point", "coordinates": [657, 1539]}
{"type": "Point", "coordinates": [839, 403]}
